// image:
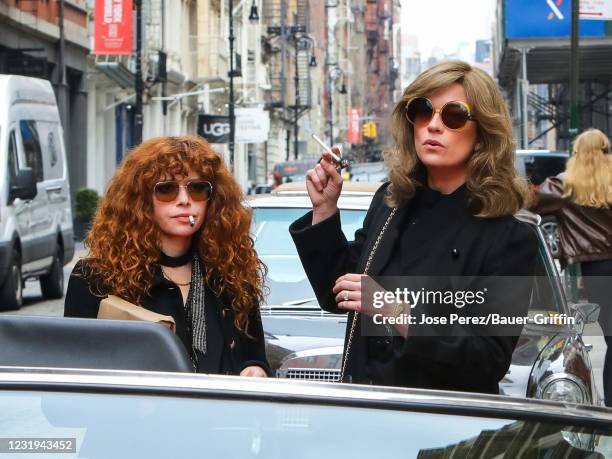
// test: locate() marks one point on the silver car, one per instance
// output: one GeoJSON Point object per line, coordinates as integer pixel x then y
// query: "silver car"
{"type": "Point", "coordinates": [549, 362]}
{"type": "Point", "coordinates": [107, 414]}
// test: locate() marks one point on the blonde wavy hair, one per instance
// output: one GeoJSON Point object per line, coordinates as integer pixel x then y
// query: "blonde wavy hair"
{"type": "Point", "coordinates": [494, 187]}
{"type": "Point", "coordinates": [123, 243]}
{"type": "Point", "coordinates": [588, 174]}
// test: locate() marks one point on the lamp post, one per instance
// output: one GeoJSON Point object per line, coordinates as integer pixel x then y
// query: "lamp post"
{"type": "Point", "coordinates": [253, 17]}
{"type": "Point", "coordinates": [138, 121]}
{"type": "Point", "coordinates": [574, 70]}
{"type": "Point", "coordinates": [296, 80]}
{"type": "Point", "coordinates": [335, 73]}
{"type": "Point", "coordinates": [232, 117]}
{"type": "Point", "coordinates": [307, 41]}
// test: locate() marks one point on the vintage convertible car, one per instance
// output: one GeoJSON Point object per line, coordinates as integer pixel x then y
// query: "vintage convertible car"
{"type": "Point", "coordinates": [105, 389]}
{"type": "Point", "coordinates": [111, 414]}
{"type": "Point", "coordinates": [550, 361]}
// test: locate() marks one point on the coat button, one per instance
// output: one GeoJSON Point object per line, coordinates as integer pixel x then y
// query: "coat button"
{"type": "Point", "coordinates": [233, 344]}
{"type": "Point", "coordinates": [455, 253]}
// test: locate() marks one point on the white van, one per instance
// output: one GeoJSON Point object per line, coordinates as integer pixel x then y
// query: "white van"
{"type": "Point", "coordinates": [36, 233]}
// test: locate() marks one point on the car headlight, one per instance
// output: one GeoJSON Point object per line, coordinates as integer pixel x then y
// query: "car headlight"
{"type": "Point", "coordinates": [562, 387]}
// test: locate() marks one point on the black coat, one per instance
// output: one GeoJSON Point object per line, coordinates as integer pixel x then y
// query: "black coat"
{"type": "Point", "coordinates": [229, 350]}
{"type": "Point", "coordinates": [455, 243]}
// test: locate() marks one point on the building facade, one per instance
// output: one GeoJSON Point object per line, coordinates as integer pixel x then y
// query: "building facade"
{"type": "Point", "coordinates": [169, 67]}
{"type": "Point", "coordinates": [35, 41]}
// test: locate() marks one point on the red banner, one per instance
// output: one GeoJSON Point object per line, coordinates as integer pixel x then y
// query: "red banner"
{"type": "Point", "coordinates": [113, 27]}
{"type": "Point", "coordinates": [354, 127]}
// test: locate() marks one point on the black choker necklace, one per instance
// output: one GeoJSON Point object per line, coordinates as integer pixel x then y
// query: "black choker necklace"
{"type": "Point", "coordinates": [175, 262]}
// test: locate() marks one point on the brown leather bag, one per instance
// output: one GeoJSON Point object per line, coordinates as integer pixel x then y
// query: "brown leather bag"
{"type": "Point", "coordinates": [114, 308]}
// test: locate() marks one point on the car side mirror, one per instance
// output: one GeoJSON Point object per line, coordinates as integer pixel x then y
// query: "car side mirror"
{"type": "Point", "coordinates": [587, 313]}
{"type": "Point", "coordinates": [24, 185]}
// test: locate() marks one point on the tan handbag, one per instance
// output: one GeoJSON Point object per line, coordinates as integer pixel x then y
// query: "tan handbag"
{"type": "Point", "coordinates": [114, 308]}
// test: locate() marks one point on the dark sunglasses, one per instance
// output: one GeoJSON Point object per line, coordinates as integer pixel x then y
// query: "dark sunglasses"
{"type": "Point", "coordinates": [198, 190]}
{"type": "Point", "coordinates": [454, 114]}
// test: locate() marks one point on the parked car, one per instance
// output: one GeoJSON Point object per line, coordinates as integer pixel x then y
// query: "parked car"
{"type": "Point", "coordinates": [262, 188]}
{"type": "Point", "coordinates": [36, 232]}
{"type": "Point", "coordinates": [550, 361]}
{"type": "Point", "coordinates": [105, 414]}
{"type": "Point", "coordinates": [536, 166]}
{"type": "Point", "coordinates": [368, 172]}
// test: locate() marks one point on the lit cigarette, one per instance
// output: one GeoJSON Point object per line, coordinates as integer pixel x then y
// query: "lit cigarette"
{"type": "Point", "coordinates": [342, 162]}
{"type": "Point", "coordinates": [326, 148]}
{"type": "Point", "coordinates": [191, 220]}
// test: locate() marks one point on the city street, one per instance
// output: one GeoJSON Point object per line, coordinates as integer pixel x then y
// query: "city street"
{"type": "Point", "coordinates": [33, 304]}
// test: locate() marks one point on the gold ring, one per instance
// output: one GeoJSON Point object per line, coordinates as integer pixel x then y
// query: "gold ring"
{"type": "Point", "coordinates": [346, 295]}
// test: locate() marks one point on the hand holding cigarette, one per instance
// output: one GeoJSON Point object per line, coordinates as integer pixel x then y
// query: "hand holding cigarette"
{"type": "Point", "coordinates": [340, 162]}
{"type": "Point", "coordinates": [324, 183]}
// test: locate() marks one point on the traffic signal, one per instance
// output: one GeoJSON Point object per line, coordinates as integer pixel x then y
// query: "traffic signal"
{"type": "Point", "coordinates": [369, 130]}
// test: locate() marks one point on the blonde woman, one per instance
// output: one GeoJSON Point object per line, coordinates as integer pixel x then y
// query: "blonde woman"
{"type": "Point", "coordinates": [581, 199]}
{"type": "Point", "coordinates": [447, 211]}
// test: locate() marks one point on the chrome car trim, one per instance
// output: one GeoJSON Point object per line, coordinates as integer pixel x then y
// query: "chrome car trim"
{"type": "Point", "coordinates": [292, 391]}
{"type": "Point", "coordinates": [329, 350]}
{"type": "Point", "coordinates": [310, 374]}
{"type": "Point", "coordinates": [560, 377]}
{"type": "Point", "coordinates": [528, 217]}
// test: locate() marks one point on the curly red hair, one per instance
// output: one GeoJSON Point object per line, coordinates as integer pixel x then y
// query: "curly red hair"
{"type": "Point", "coordinates": [123, 243]}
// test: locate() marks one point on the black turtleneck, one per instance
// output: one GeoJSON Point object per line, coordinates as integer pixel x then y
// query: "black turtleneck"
{"type": "Point", "coordinates": [432, 218]}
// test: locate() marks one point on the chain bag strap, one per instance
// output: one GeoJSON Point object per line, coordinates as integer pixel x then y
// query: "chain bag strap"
{"type": "Point", "coordinates": [365, 272]}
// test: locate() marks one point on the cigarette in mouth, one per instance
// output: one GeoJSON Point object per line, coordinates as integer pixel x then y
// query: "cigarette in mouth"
{"type": "Point", "coordinates": [191, 220]}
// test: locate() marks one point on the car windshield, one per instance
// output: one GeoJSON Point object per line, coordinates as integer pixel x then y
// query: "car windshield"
{"type": "Point", "coordinates": [155, 426]}
{"type": "Point", "coordinates": [286, 277]}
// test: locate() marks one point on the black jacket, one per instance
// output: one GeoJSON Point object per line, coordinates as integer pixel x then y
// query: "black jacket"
{"type": "Point", "coordinates": [228, 350]}
{"type": "Point", "coordinates": [455, 243]}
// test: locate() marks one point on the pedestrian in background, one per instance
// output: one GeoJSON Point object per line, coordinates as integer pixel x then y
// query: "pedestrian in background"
{"type": "Point", "coordinates": [171, 234]}
{"type": "Point", "coordinates": [448, 210]}
{"type": "Point", "coordinates": [581, 199]}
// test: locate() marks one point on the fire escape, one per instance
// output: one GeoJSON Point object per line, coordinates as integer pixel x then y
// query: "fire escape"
{"type": "Point", "coordinates": [554, 109]}
{"type": "Point", "coordinates": [287, 52]}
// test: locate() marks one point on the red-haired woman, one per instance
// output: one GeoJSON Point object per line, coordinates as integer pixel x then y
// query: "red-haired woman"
{"type": "Point", "coordinates": [172, 235]}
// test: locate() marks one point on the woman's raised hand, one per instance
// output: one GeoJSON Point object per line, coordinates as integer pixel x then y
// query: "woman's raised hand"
{"type": "Point", "coordinates": [324, 184]}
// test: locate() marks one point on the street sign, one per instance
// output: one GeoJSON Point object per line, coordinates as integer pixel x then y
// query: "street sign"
{"type": "Point", "coordinates": [546, 19]}
{"type": "Point", "coordinates": [214, 128]}
{"type": "Point", "coordinates": [252, 125]}
{"type": "Point", "coordinates": [354, 129]}
{"type": "Point", "coordinates": [599, 10]}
